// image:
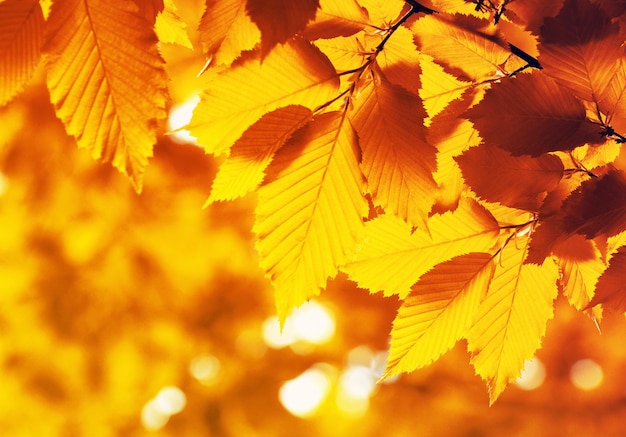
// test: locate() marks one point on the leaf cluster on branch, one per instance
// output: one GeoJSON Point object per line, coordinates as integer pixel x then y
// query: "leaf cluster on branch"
{"type": "Point", "coordinates": [462, 155]}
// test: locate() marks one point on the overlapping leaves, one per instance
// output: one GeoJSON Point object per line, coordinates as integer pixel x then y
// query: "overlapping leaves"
{"type": "Point", "coordinates": [467, 161]}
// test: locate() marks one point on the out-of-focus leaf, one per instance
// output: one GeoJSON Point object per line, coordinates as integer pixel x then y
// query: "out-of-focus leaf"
{"type": "Point", "coordinates": [611, 287]}
{"type": "Point", "coordinates": [310, 209]}
{"type": "Point", "coordinates": [226, 30]}
{"type": "Point", "coordinates": [21, 35]}
{"type": "Point", "coordinates": [106, 80]}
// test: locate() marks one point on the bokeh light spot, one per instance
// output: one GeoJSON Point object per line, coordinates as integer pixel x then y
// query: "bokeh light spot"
{"type": "Point", "coordinates": [170, 400]}
{"type": "Point", "coordinates": [205, 368]}
{"type": "Point", "coordinates": [586, 374]}
{"type": "Point", "coordinates": [313, 323]}
{"type": "Point", "coordinates": [151, 418]}
{"type": "Point", "coordinates": [180, 116]}
{"type": "Point", "coordinates": [533, 375]}
{"type": "Point", "coordinates": [303, 395]}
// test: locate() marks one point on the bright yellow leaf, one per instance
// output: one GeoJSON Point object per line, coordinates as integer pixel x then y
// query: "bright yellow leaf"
{"type": "Point", "coordinates": [244, 169]}
{"type": "Point", "coordinates": [226, 30]}
{"type": "Point", "coordinates": [21, 35]}
{"type": "Point", "coordinates": [106, 80]}
{"type": "Point", "coordinates": [382, 12]}
{"type": "Point", "coordinates": [438, 87]}
{"type": "Point", "coordinates": [400, 61]}
{"type": "Point", "coordinates": [440, 307]}
{"type": "Point", "coordinates": [310, 210]}
{"type": "Point", "coordinates": [512, 319]}
{"type": "Point", "coordinates": [391, 259]}
{"type": "Point", "coordinates": [295, 73]}
{"type": "Point", "coordinates": [170, 28]}
{"type": "Point", "coordinates": [337, 18]}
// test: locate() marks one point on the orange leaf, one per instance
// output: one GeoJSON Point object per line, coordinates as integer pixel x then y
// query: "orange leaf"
{"type": "Point", "coordinates": [611, 287]}
{"type": "Point", "coordinates": [106, 80]}
{"type": "Point", "coordinates": [397, 161]}
{"type": "Point", "coordinates": [21, 35]}
{"type": "Point", "coordinates": [336, 18]}
{"type": "Point", "coordinates": [521, 181]}
{"type": "Point", "coordinates": [279, 20]}
{"type": "Point", "coordinates": [226, 30]}
{"type": "Point", "coordinates": [531, 114]}
{"type": "Point", "coordinates": [580, 48]}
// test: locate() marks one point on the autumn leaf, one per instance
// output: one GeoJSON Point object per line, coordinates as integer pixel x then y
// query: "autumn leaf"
{"type": "Point", "coordinates": [226, 30]}
{"type": "Point", "coordinates": [397, 161]}
{"type": "Point", "coordinates": [438, 87]}
{"type": "Point", "coordinates": [310, 209]}
{"type": "Point", "coordinates": [382, 12]}
{"type": "Point", "coordinates": [335, 18]}
{"type": "Point", "coordinates": [614, 102]}
{"type": "Point", "coordinates": [292, 74]}
{"type": "Point", "coordinates": [440, 307]}
{"type": "Point", "coordinates": [458, 48]}
{"type": "Point", "coordinates": [523, 181]}
{"type": "Point", "coordinates": [21, 36]}
{"type": "Point", "coordinates": [611, 290]}
{"type": "Point", "coordinates": [391, 259]}
{"type": "Point", "coordinates": [109, 99]}
{"type": "Point", "coordinates": [279, 20]}
{"type": "Point", "coordinates": [511, 320]}
{"type": "Point", "coordinates": [244, 169]}
{"type": "Point", "coordinates": [531, 115]}
{"type": "Point", "coordinates": [580, 48]}
{"type": "Point", "coordinates": [170, 28]}
{"type": "Point", "coordinates": [400, 61]}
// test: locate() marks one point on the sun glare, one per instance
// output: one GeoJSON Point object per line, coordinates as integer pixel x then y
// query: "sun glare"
{"type": "Point", "coordinates": [303, 395]}
{"type": "Point", "coordinates": [180, 116]}
{"type": "Point", "coordinates": [533, 375]}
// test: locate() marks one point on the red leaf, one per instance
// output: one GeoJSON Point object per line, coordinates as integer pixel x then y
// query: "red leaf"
{"type": "Point", "coordinates": [611, 287]}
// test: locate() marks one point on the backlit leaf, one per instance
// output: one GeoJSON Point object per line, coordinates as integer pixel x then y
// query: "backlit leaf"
{"type": "Point", "coordinates": [336, 18]}
{"type": "Point", "coordinates": [226, 30]}
{"type": "Point", "coordinates": [21, 35]}
{"type": "Point", "coordinates": [170, 28]}
{"type": "Point", "coordinates": [457, 48]}
{"type": "Point", "coordinates": [440, 307]}
{"type": "Point", "coordinates": [382, 12]}
{"type": "Point", "coordinates": [580, 48]}
{"type": "Point", "coordinates": [310, 209]}
{"type": "Point", "coordinates": [391, 259]}
{"type": "Point", "coordinates": [511, 320]}
{"type": "Point", "coordinates": [523, 181]}
{"type": "Point", "coordinates": [244, 169]}
{"type": "Point", "coordinates": [279, 20]}
{"type": "Point", "coordinates": [397, 161]}
{"type": "Point", "coordinates": [530, 114]}
{"type": "Point", "coordinates": [346, 53]}
{"type": "Point", "coordinates": [400, 62]}
{"type": "Point", "coordinates": [614, 102]}
{"type": "Point", "coordinates": [611, 288]}
{"type": "Point", "coordinates": [106, 80]}
{"type": "Point", "coordinates": [438, 87]}
{"type": "Point", "coordinates": [292, 74]}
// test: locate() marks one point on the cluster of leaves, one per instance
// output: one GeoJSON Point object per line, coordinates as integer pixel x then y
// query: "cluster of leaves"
{"type": "Point", "coordinates": [462, 155]}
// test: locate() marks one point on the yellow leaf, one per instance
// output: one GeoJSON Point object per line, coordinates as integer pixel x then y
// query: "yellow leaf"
{"type": "Point", "coordinates": [345, 52]}
{"type": "Point", "coordinates": [382, 12]}
{"type": "Point", "coordinates": [511, 320]}
{"type": "Point", "coordinates": [310, 209]}
{"type": "Point", "coordinates": [170, 28]}
{"type": "Point", "coordinates": [21, 35]}
{"type": "Point", "coordinates": [458, 47]}
{"type": "Point", "coordinates": [438, 87]}
{"type": "Point", "coordinates": [397, 161]}
{"type": "Point", "coordinates": [295, 73]}
{"type": "Point", "coordinates": [391, 258]}
{"type": "Point", "coordinates": [106, 80]}
{"type": "Point", "coordinates": [440, 307]}
{"type": "Point", "coordinates": [226, 30]}
{"type": "Point", "coordinates": [336, 18]}
{"type": "Point", "coordinates": [244, 169]}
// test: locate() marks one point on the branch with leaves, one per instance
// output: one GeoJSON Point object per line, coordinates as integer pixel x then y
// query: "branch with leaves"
{"type": "Point", "coordinates": [420, 149]}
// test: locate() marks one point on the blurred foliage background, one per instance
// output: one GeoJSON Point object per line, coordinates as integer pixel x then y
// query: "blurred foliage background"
{"type": "Point", "coordinates": [146, 315]}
